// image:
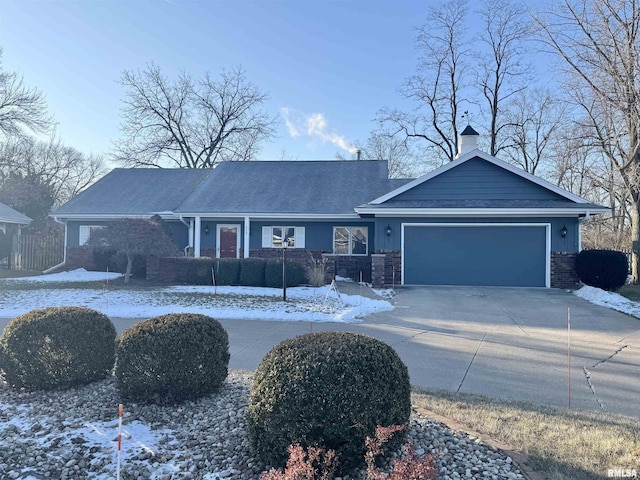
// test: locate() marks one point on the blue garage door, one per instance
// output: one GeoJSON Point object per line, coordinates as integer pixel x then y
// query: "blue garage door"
{"type": "Point", "coordinates": [475, 255]}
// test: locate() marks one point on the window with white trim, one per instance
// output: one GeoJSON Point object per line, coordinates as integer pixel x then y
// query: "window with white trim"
{"type": "Point", "coordinates": [86, 231]}
{"type": "Point", "coordinates": [273, 236]}
{"type": "Point", "coordinates": [350, 240]}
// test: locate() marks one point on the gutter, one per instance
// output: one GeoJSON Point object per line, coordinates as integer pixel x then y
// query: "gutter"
{"type": "Point", "coordinates": [64, 258]}
{"type": "Point", "coordinates": [189, 228]}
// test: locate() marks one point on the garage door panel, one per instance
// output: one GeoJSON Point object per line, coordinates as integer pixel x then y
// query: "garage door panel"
{"type": "Point", "coordinates": [475, 255]}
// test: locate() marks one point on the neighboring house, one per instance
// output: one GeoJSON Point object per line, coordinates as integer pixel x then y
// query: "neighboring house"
{"type": "Point", "coordinates": [475, 221]}
{"type": "Point", "coordinates": [12, 221]}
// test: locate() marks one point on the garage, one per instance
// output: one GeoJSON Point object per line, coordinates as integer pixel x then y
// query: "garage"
{"type": "Point", "coordinates": [491, 254]}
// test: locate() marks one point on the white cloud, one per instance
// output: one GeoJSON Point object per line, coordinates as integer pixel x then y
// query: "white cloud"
{"type": "Point", "coordinates": [313, 125]}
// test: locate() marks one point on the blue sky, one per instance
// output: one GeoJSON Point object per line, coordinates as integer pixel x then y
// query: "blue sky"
{"type": "Point", "coordinates": [336, 61]}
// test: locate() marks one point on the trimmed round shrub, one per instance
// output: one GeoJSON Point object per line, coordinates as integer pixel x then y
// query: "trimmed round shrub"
{"type": "Point", "coordinates": [606, 269]}
{"type": "Point", "coordinates": [57, 347]}
{"type": "Point", "coordinates": [252, 272]}
{"type": "Point", "coordinates": [273, 273]}
{"type": "Point", "coordinates": [329, 389]}
{"type": "Point", "coordinates": [172, 358]}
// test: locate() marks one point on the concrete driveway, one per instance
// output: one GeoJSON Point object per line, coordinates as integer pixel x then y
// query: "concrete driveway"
{"type": "Point", "coordinates": [506, 343]}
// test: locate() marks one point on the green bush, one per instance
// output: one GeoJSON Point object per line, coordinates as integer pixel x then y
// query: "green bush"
{"type": "Point", "coordinates": [57, 347]}
{"type": "Point", "coordinates": [172, 358]}
{"type": "Point", "coordinates": [199, 271]}
{"type": "Point", "coordinates": [330, 389]}
{"type": "Point", "coordinates": [252, 272]}
{"type": "Point", "coordinates": [273, 273]}
{"type": "Point", "coordinates": [606, 269]}
{"type": "Point", "coordinates": [227, 271]}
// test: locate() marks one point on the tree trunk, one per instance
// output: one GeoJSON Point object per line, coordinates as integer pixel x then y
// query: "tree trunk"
{"type": "Point", "coordinates": [127, 273]}
{"type": "Point", "coordinates": [635, 236]}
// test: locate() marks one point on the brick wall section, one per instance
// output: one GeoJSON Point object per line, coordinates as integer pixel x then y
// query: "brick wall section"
{"type": "Point", "coordinates": [386, 269]}
{"type": "Point", "coordinates": [563, 270]}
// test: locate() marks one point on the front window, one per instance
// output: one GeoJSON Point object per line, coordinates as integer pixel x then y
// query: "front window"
{"type": "Point", "coordinates": [280, 234]}
{"type": "Point", "coordinates": [86, 231]}
{"type": "Point", "coordinates": [350, 240]}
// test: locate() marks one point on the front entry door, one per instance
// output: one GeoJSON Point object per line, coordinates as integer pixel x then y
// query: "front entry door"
{"type": "Point", "coordinates": [228, 241]}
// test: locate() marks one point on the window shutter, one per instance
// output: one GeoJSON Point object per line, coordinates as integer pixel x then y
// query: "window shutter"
{"type": "Point", "coordinates": [85, 231]}
{"type": "Point", "coordinates": [267, 237]}
{"type": "Point", "coordinates": [299, 241]}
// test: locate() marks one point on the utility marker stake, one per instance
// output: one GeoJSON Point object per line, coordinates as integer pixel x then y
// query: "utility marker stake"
{"type": "Point", "coordinates": [120, 409]}
{"type": "Point", "coordinates": [569, 353]}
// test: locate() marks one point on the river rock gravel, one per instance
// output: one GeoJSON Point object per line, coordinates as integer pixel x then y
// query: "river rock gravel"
{"type": "Point", "coordinates": [72, 435]}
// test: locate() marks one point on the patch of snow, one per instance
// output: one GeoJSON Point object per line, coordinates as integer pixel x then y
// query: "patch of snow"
{"type": "Point", "coordinates": [78, 275]}
{"type": "Point", "coordinates": [312, 304]}
{"type": "Point", "coordinates": [611, 300]}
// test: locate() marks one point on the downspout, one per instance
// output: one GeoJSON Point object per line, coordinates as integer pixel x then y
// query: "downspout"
{"type": "Point", "coordinates": [587, 214]}
{"type": "Point", "coordinates": [190, 234]}
{"type": "Point", "coordinates": [64, 257]}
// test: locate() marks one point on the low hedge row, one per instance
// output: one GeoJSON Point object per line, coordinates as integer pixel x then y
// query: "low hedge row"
{"type": "Point", "coordinates": [250, 272]}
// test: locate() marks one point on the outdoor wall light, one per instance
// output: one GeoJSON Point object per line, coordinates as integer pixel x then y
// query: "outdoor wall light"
{"type": "Point", "coordinates": [206, 229]}
{"type": "Point", "coordinates": [388, 230]}
{"type": "Point", "coordinates": [564, 231]}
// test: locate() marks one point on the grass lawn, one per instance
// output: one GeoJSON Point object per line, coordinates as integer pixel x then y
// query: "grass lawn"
{"type": "Point", "coordinates": [632, 292]}
{"type": "Point", "coordinates": [564, 445]}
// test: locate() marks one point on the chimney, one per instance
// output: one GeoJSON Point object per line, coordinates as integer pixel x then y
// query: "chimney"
{"type": "Point", "coordinates": [467, 141]}
{"type": "Point", "coordinates": [358, 154]}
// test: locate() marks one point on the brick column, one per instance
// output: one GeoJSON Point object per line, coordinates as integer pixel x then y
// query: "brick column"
{"type": "Point", "coordinates": [563, 270]}
{"type": "Point", "coordinates": [377, 270]}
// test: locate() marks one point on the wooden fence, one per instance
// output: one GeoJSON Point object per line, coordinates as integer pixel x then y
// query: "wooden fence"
{"type": "Point", "coordinates": [36, 251]}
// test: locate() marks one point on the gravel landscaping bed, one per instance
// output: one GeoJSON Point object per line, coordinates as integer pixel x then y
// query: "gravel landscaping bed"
{"type": "Point", "coordinates": [70, 435]}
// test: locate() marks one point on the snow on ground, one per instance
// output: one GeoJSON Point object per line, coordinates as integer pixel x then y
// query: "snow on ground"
{"type": "Point", "coordinates": [611, 300]}
{"type": "Point", "coordinates": [78, 275]}
{"type": "Point", "coordinates": [303, 303]}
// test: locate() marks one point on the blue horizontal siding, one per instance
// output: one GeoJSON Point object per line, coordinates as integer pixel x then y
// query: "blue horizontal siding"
{"type": "Point", "coordinates": [478, 179]}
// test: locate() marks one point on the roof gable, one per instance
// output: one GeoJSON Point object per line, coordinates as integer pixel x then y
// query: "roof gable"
{"type": "Point", "coordinates": [478, 176]}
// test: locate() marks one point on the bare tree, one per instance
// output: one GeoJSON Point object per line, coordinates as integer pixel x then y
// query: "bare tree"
{"type": "Point", "coordinates": [534, 124]}
{"type": "Point", "coordinates": [598, 43]}
{"type": "Point", "coordinates": [21, 107]}
{"type": "Point", "coordinates": [404, 160]}
{"type": "Point", "coordinates": [437, 86]}
{"type": "Point", "coordinates": [502, 68]}
{"type": "Point", "coordinates": [64, 169]}
{"type": "Point", "coordinates": [190, 123]}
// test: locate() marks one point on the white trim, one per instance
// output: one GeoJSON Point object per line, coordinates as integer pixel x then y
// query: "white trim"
{"type": "Point", "coordinates": [477, 212]}
{"type": "Point", "coordinates": [276, 216]}
{"type": "Point", "coordinates": [468, 156]}
{"type": "Point", "coordinates": [197, 239]}
{"type": "Point", "coordinates": [238, 228]}
{"type": "Point", "coordinates": [492, 224]}
{"type": "Point", "coordinates": [15, 221]}
{"type": "Point", "coordinates": [247, 236]}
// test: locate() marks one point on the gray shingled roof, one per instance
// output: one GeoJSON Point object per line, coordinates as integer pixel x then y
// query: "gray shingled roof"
{"type": "Point", "coordinates": [136, 191]}
{"type": "Point", "coordinates": [300, 187]}
{"type": "Point", "coordinates": [9, 215]}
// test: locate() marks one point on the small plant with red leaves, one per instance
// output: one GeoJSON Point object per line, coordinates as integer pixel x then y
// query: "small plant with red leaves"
{"type": "Point", "coordinates": [314, 464]}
